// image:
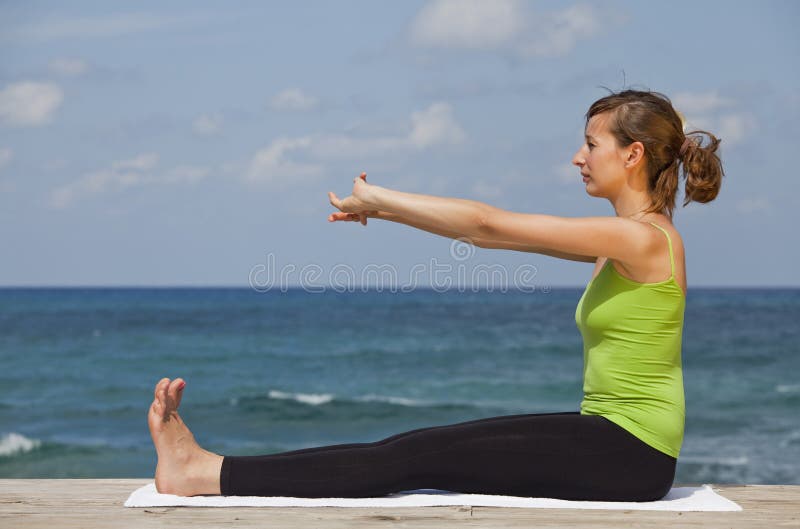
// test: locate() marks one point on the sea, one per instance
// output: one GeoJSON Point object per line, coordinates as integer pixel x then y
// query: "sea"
{"type": "Point", "coordinates": [271, 371]}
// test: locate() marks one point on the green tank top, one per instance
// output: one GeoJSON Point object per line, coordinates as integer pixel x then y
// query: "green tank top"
{"type": "Point", "coordinates": [632, 372]}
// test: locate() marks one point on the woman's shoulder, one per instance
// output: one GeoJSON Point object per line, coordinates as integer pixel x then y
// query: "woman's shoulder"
{"type": "Point", "coordinates": [664, 222]}
{"type": "Point", "coordinates": [656, 265]}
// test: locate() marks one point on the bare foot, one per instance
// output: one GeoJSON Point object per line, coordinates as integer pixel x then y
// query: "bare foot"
{"type": "Point", "coordinates": [184, 468]}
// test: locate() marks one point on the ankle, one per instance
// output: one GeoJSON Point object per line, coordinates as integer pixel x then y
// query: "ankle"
{"type": "Point", "coordinates": [207, 472]}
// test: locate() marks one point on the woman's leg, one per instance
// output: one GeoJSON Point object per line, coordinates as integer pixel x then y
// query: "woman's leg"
{"type": "Point", "coordinates": [559, 455]}
{"type": "Point", "coordinates": [404, 434]}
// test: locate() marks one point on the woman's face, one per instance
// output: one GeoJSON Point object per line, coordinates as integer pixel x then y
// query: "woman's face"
{"type": "Point", "coordinates": [601, 162]}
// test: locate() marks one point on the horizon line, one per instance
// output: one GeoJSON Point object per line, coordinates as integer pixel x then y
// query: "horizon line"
{"type": "Point", "coordinates": [398, 289]}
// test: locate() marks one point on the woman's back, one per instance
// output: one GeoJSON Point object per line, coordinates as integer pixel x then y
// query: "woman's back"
{"type": "Point", "coordinates": [632, 354]}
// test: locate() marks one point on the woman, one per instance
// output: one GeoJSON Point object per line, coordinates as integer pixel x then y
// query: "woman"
{"type": "Point", "coordinates": [624, 442]}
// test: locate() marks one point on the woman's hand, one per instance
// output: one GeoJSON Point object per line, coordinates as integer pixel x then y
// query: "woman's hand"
{"type": "Point", "coordinates": [354, 207]}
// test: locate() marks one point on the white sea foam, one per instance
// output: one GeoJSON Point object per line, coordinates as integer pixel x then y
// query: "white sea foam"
{"type": "Point", "coordinates": [315, 399]}
{"type": "Point", "coordinates": [402, 401]}
{"type": "Point", "coordinates": [14, 443]}
{"type": "Point", "coordinates": [726, 461]}
{"type": "Point", "coordinates": [787, 388]}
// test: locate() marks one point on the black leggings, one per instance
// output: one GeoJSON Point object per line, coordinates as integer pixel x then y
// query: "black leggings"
{"type": "Point", "coordinates": [554, 455]}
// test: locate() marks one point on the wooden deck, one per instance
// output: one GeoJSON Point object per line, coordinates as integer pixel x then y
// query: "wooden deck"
{"type": "Point", "coordinates": [98, 503]}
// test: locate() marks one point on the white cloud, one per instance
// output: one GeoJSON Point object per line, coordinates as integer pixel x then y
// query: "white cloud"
{"type": "Point", "coordinates": [293, 99]}
{"type": "Point", "coordinates": [5, 156]}
{"type": "Point", "coordinates": [555, 34]}
{"type": "Point", "coordinates": [716, 114]}
{"type": "Point", "coordinates": [143, 162]}
{"type": "Point", "coordinates": [699, 103]}
{"type": "Point", "coordinates": [733, 128]}
{"type": "Point", "coordinates": [207, 124]}
{"type": "Point", "coordinates": [430, 127]}
{"type": "Point", "coordinates": [120, 175]}
{"type": "Point", "coordinates": [506, 25]}
{"type": "Point", "coordinates": [68, 67]}
{"type": "Point", "coordinates": [435, 125]}
{"type": "Point", "coordinates": [468, 24]}
{"type": "Point", "coordinates": [269, 163]}
{"type": "Point", "coordinates": [28, 103]}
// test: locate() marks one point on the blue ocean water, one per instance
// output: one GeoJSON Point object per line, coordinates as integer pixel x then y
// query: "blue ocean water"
{"type": "Point", "coordinates": [275, 371]}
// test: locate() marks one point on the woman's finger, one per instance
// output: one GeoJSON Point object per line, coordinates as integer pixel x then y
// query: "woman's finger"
{"type": "Point", "coordinates": [347, 217]}
{"type": "Point", "coordinates": [332, 197]}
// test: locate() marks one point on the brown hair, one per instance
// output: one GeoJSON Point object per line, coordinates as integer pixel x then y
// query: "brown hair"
{"type": "Point", "coordinates": [648, 117]}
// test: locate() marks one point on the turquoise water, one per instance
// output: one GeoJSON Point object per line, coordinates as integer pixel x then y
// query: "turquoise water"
{"type": "Point", "coordinates": [276, 371]}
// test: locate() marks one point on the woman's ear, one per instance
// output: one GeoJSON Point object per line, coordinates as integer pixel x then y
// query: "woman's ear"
{"type": "Point", "coordinates": [635, 154]}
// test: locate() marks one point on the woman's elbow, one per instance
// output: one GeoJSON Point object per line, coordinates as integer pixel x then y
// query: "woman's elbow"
{"type": "Point", "coordinates": [486, 225]}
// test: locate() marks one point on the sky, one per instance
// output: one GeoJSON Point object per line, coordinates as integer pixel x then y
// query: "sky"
{"type": "Point", "coordinates": [194, 143]}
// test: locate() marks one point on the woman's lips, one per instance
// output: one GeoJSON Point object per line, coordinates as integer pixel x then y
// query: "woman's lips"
{"type": "Point", "coordinates": [585, 178]}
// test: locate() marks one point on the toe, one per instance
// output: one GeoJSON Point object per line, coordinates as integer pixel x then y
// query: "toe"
{"type": "Point", "coordinates": [175, 391]}
{"type": "Point", "coordinates": [160, 387]}
{"type": "Point", "coordinates": [162, 394]}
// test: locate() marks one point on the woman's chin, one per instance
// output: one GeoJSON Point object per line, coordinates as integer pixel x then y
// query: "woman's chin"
{"type": "Point", "coordinates": [592, 191]}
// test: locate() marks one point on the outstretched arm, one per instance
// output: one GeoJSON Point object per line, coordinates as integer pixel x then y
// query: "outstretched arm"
{"type": "Point", "coordinates": [613, 237]}
{"type": "Point", "coordinates": [480, 243]}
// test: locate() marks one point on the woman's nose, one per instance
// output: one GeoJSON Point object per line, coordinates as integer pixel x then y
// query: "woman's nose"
{"type": "Point", "coordinates": [578, 159]}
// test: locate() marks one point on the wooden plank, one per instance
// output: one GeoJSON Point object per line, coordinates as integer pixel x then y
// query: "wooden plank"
{"type": "Point", "coordinates": [98, 503]}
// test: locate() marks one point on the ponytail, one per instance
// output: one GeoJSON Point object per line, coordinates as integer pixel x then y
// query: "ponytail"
{"type": "Point", "coordinates": [702, 168]}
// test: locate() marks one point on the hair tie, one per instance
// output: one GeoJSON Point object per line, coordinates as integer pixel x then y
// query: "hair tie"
{"type": "Point", "coordinates": [685, 145]}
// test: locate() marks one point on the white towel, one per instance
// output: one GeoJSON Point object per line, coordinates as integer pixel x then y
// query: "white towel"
{"type": "Point", "coordinates": [678, 499]}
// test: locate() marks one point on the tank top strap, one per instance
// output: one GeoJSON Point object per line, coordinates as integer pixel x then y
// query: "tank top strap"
{"type": "Point", "coordinates": [669, 242]}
